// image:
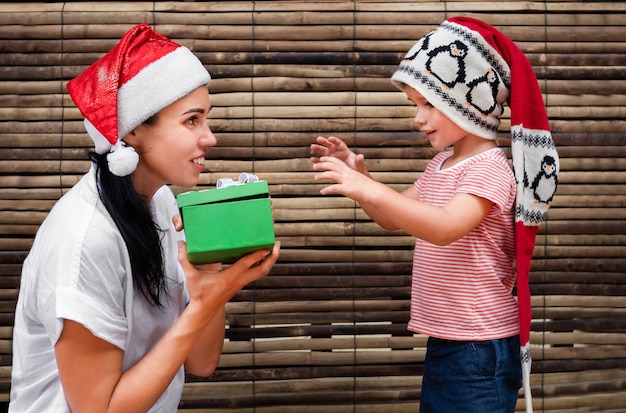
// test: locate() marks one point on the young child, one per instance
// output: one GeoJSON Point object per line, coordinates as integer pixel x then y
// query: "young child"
{"type": "Point", "coordinates": [473, 218]}
{"type": "Point", "coordinates": [110, 312]}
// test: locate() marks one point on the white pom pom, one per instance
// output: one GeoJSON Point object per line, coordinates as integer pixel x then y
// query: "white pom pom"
{"type": "Point", "coordinates": [123, 161]}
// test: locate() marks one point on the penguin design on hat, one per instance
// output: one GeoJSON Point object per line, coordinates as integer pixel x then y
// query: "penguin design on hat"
{"type": "Point", "coordinates": [423, 46]}
{"type": "Point", "coordinates": [545, 182]}
{"type": "Point", "coordinates": [447, 63]}
{"type": "Point", "coordinates": [480, 89]}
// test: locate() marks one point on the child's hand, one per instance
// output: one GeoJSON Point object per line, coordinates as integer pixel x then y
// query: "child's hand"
{"type": "Point", "coordinates": [346, 181]}
{"type": "Point", "coordinates": [337, 148]}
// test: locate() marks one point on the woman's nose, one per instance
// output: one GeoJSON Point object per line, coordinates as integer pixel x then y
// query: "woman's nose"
{"type": "Point", "coordinates": [207, 138]}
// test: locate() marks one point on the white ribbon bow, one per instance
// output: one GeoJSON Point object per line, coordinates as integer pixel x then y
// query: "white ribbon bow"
{"type": "Point", "coordinates": [244, 178]}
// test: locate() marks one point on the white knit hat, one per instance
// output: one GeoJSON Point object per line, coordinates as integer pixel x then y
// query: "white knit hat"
{"type": "Point", "coordinates": [141, 75]}
{"type": "Point", "coordinates": [460, 74]}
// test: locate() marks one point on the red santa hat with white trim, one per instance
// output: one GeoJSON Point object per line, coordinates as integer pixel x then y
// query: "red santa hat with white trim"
{"type": "Point", "coordinates": [468, 69]}
{"type": "Point", "coordinates": [142, 74]}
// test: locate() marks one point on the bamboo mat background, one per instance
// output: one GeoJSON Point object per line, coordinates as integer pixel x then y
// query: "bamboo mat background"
{"type": "Point", "coordinates": [326, 330]}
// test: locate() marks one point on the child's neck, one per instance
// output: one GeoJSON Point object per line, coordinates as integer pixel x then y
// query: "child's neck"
{"type": "Point", "coordinates": [467, 147]}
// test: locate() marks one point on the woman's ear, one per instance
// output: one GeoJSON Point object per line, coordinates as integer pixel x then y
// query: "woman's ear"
{"type": "Point", "coordinates": [132, 138]}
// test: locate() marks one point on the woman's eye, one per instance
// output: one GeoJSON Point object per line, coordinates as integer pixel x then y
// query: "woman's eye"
{"type": "Point", "coordinates": [192, 120]}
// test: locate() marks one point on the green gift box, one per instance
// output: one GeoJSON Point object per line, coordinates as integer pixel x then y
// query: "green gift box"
{"type": "Point", "coordinates": [226, 223]}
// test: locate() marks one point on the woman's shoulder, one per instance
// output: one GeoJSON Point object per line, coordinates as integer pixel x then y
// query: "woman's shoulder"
{"type": "Point", "coordinates": [74, 220]}
{"type": "Point", "coordinates": [74, 206]}
{"type": "Point", "coordinates": [77, 238]}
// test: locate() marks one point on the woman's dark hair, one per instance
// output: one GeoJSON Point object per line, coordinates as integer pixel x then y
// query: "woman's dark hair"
{"type": "Point", "coordinates": [134, 220]}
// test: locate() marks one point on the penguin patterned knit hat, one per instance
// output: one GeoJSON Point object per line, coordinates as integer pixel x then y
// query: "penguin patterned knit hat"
{"type": "Point", "coordinates": [142, 74]}
{"type": "Point", "coordinates": [468, 70]}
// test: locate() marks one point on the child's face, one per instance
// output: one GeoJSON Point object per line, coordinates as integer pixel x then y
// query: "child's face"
{"type": "Point", "coordinates": [439, 129]}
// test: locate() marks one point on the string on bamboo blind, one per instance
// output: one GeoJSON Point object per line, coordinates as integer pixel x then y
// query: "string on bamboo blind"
{"type": "Point", "coordinates": [354, 212]}
{"type": "Point", "coordinates": [545, 234]}
{"type": "Point", "coordinates": [62, 91]}
{"type": "Point", "coordinates": [253, 131]}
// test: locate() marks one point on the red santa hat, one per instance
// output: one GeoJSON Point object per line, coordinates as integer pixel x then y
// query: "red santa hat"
{"type": "Point", "coordinates": [468, 69]}
{"type": "Point", "coordinates": [141, 75]}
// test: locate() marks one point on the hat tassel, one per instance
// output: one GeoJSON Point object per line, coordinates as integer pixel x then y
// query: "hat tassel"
{"type": "Point", "coordinates": [122, 159]}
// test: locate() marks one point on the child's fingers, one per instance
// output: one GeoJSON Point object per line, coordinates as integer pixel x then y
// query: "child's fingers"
{"type": "Point", "coordinates": [359, 162]}
{"type": "Point", "coordinates": [337, 142]}
{"type": "Point", "coordinates": [315, 148]}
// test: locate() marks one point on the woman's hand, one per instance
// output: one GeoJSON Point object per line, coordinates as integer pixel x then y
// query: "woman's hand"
{"type": "Point", "coordinates": [213, 286]}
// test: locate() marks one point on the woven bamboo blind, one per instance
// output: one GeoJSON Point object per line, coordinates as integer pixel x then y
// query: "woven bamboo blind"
{"type": "Point", "coordinates": [326, 330]}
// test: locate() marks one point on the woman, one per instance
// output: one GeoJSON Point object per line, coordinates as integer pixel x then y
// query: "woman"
{"type": "Point", "coordinates": [110, 312]}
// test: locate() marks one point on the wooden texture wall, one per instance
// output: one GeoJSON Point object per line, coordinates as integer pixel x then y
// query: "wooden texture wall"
{"type": "Point", "coordinates": [326, 330]}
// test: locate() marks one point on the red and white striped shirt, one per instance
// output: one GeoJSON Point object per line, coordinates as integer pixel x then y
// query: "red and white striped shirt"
{"type": "Point", "coordinates": [462, 291]}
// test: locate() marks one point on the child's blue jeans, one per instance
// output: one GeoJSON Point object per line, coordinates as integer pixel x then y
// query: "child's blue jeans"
{"type": "Point", "coordinates": [471, 376]}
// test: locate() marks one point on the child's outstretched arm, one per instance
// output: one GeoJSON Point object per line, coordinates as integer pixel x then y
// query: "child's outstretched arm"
{"type": "Point", "coordinates": [392, 210]}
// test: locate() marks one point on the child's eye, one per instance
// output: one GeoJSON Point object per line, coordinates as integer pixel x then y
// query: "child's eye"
{"type": "Point", "coordinates": [428, 104]}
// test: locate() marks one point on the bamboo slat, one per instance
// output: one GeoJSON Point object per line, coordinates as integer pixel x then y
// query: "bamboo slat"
{"type": "Point", "coordinates": [305, 112]}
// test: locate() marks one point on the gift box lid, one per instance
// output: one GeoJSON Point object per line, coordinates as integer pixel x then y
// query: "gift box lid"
{"type": "Point", "coordinates": [210, 196]}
